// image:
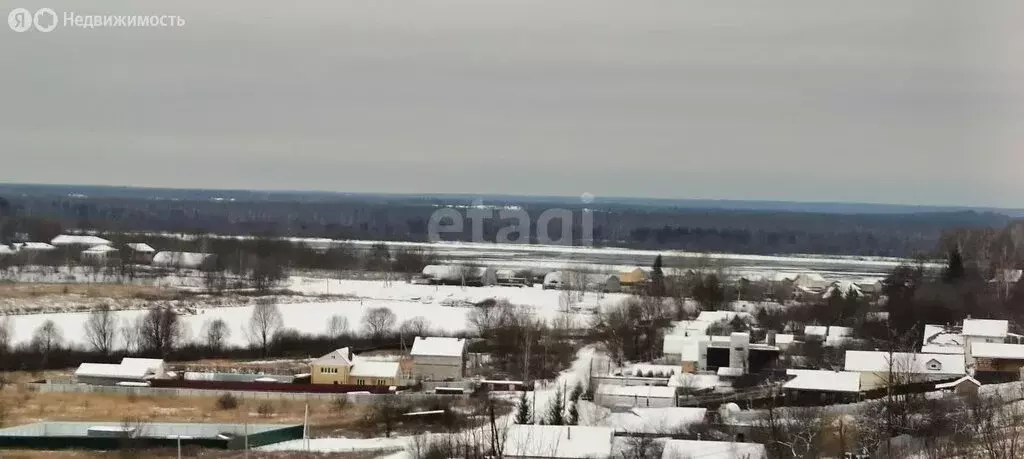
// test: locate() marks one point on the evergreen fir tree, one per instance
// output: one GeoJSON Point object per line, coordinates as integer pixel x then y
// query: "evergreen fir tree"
{"type": "Point", "coordinates": [573, 418]}
{"type": "Point", "coordinates": [523, 410]}
{"type": "Point", "coordinates": [577, 391]}
{"type": "Point", "coordinates": [556, 409]}
{"type": "Point", "coordinates": [657, 278]}
{"type": "Point", "coordinates": [955, 270]}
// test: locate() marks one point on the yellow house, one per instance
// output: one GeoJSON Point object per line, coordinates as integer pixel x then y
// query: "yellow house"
{"type": "Point", "coordinates": [341, 367]}
{"type": "Point", "coordinates": [333, 368]}
{"type": "Point", "coordinates": [637, 276]}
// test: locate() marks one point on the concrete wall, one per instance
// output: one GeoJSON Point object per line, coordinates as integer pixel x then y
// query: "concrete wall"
{"type": "Point", "coordinates": [637, 401]}
{"type": "Point", "coordinates": [437, 368]}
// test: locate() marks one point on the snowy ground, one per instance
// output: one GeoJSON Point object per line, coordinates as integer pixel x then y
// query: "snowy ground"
{"type": "Point", "coordinates": [444, 307]}
{"type": "Point", "coordinates": [341, 445]}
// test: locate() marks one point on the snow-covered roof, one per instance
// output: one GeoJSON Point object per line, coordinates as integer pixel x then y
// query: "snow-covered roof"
{"type": "Point", "coordinates": [1009, 276]}
{"type": "Point", "coordinates": [436, 346]}
{"type": "Point", "coordinates": [454, 272]}
{"type": "Point", "coordinates": [823, 380]}
{"type": "Point", "coordinates": [942, 349]}
{"type": "Point", "coordinates": [840, 331]}
{"type": "Point", "coordinates": [988, 328]}
{"type": "Point", "coordinates": [140, 247]}
{"type": "Point", "coordinates": [341, 356]}
{"type": "Point", "coordinates": [716, 316]}
{"type": "Point", "coordinates": [904, 362]}
{"type": "Point", "coordinates": [374, 368]}
{"type": "Point", "coordinates": [636, 391]}
{"type": "Point", "coordinates": [143, 363]}
{"type": "Point", "coordinates": [655, 420]}
{"type": "Point", "coordinates": [34, 246]}
{"type": "Point", "coordinates": [681, 449]}
{"type": "Point", "coordinates": [938, 334]}
{"type": "Point", "coordinates": [100, 249]}
{"type": "Point", "coordinates": [689, 328]}
{"type": "Point", "coordinates": [181, 259]}
{"type": "Point", "coordinates": [783, 338]}
{"type": "Point", "coordinates": [693, 381]}
{"type": "Point", "coordinates": [730, 372]}
{"type": "Point", "coordinates": [844, 287]}
{"type": "Point", "coordinates": [998, 351]}
{"type": "Point", "coordinates": [111, 370]}
{"type": "Point", "coordinates": [78, 239]}
{"type": "Point", "coordinates": [816, 330]}
{"type": "Point", "coordinates": [562, 442]}
{"type": "Point", "coordinates": [952, 384]}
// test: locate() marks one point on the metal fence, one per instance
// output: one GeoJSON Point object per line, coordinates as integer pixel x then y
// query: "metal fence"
{"type": "Point", "coordinates": [356, 398]}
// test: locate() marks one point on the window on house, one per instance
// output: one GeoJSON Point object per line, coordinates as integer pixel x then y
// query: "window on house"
{"type": "Point", "coordinates": [361, 382]}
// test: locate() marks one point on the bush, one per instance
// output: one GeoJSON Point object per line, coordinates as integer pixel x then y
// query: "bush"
{"type": "Point", "coordinates": [339, 404]}
{"type": "Point", "coordinates": [227, 401]}
{"type": "Point", "coordinates": [265, 410]}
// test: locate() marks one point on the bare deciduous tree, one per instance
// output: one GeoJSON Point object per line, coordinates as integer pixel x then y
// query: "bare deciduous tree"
{"type": "Point", "coordinates": [337, 326]}
{"type": "Point", "coordinates": [416, 326]}
{"type": "Point", "coordinates": [160, 331]}
{"type": "Point", "coordinates": [378, 322]}
{"type": "Point", "coordinates": [266, 320]}
{"type": "Point", "coordinates": [215, 333]}
{"type": "Point", "coordinates": [47, 338]}
{"type": "Point", "coordinates": [6, 334]}
{"type": "Point", "coordinates": [101, 329]}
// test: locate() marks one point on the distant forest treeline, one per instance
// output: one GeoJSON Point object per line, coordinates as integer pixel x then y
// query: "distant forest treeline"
{"type": "Point", "coordinates": [41, 214]}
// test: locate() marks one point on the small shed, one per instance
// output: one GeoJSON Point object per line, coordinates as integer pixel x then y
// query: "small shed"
{"type": "Point", "coordinates": [635, 396]}
{"type": "Point", "coordinates": [140, 252]}
{"type": "Point", "coordinates": [963, 386]}
{"type": "Point", "coordinates": [99, 255]}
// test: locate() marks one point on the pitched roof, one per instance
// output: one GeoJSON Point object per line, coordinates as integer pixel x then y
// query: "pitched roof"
{"type": "Point", "coordinates": [111, 370]}
{"type": "Point", "coordinates": [103, 248]}
{"type": "Point", "coordinates": [562, 442]}
{"type": "Point", "coordinates": [341, 356]}
{"type": "Point", "coordinates": [182, 259]}
{"type": "Point", "coordinates": [942, 349]}
{"type": "Point", "coordinates": [904, 362]}
{"type": "Point", "coordinates": [988, 328]}
{"type": "Point", "coordinates": [78, 239]}
{"type": "Point", "coordinates": [998, 351]}
{"type": "Point", "coordinates": [34, 246]}
{"type": "Point", "coordinates": [675, 449]}
{"type": "Point", "coordinates": [140, 247]}
{"type": "Point", "coordinates": [823, 380]}
{"type": "Point", "coordinates": [655, 420]}
{"type": "Point", "coordinates": [952, 384]}
{"type": "Point", "coordinates": [374, 368]}
{"type": "Point", "coordinates": [816, 330]}
{"type": "Point", "coordinates": [693, 381]}
{"type": "Point", "coordinates": [437, 346]}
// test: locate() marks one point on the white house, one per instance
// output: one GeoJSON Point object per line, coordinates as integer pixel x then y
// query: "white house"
{"type": "Point", "coordinates": [185, 260]}
{"type": "Point", "coordinates": [438, 358]}
{"type": "Point", "coordinates": [98, 254]}
{"type": "Point", "coordinates": [875, 367]}
{"type": "Point", "coordinates": [140, 252]}
{"type": "Point", "coordinates": [700, 449]}
{"type": "Point", "coordinates": [977, 331]}
{"type": "Point", "coordinates": [79, 240]}
{"type": "Point", "coordinates": [636, 396]}
{"type": "Point", "coordinates": [460, 275]}
{"type": "Point", "coordinates": [129, 370]}
{"type": "Point", "coordinates": [530, 441]}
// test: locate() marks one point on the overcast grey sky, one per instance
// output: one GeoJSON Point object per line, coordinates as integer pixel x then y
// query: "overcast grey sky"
{"type": "Point", "coordinates": [918, 102]}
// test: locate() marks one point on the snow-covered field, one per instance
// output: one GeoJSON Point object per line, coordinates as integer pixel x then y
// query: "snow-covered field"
{"type": "Point", "coordinates": [444, 307]}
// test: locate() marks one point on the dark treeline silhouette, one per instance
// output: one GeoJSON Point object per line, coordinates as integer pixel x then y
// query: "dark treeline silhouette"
{"type": "Point", "coordinates": [41, 214]}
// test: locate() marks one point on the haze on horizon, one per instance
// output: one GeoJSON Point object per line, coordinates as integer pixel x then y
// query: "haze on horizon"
{"type": "Point", "coordinates": [915, 102]}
